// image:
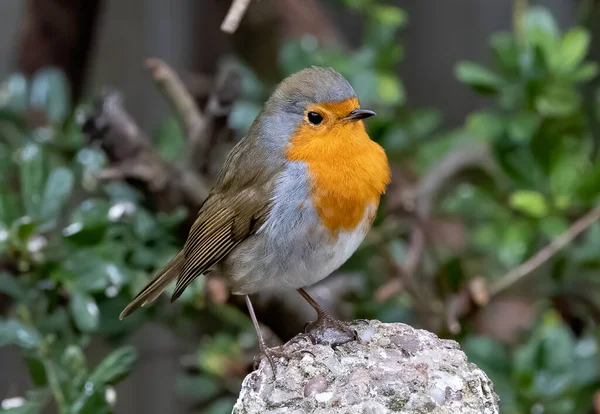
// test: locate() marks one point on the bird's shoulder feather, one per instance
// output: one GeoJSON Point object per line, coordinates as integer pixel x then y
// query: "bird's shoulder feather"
{"type": "Point", "coordinates": [236, 208]}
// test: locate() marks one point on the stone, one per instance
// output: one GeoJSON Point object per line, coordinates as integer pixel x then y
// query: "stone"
{"type": "Point", "coordinates": [391, 368]}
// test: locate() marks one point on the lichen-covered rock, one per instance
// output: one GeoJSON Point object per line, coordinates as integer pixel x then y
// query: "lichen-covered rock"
{"type": "Point", "coordinates": [393, 368]}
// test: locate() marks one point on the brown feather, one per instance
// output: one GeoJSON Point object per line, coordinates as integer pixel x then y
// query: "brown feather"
{"type": "Point", "coordinates": [156, 286]}
{"type": "Point", "coordinates": [234, 210]}
{"type": "Point", "coordinates": [214, 235]}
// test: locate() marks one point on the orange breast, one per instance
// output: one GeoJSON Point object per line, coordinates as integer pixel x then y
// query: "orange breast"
{"type": "Point", "coordinates": [348, 171]}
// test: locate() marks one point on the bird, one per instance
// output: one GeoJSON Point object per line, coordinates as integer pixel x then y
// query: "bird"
{"type": "Point", "coordinates": [292, 202]}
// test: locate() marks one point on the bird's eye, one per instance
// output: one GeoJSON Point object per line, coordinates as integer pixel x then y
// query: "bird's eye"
{"type": "Point", "coordinates": [315, 118]}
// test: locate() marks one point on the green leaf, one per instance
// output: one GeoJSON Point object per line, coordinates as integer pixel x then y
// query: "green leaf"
{"type": "Point", "coordinates": [390, 15]}
{"type": "Point", "coordinates": [506, 51]}
{"type": "Point", "coordinates": [50, 93]}
{"type": "Point", "coordinates": [91, 401]}
{"type": "Point", "coordinates": [485, 125]}
{"type": "Point", "coordinates": [27, 407]}
{"type": "Point", "coordinates": [488, 354]}
{"type": "Point", "coordinates": [390, 89]}
{"type": "Point", "coordinates": [596, 104]}
{"type": "Point", "coordinates": [14, 92]}
{"type": "Point", "coordinates": [522, 127]}
{"type": "Point", "coordinates": [21, 230]}
{"type": "Point", "coordinates": [32, 166]}
{"type": "Point", "coordinates": [86, 272]}
{"type": "Point", "coordinates": [170, 140]}
{"type": "Point", "coordinates": [37, 371]}
{"type": "Point", "coordinates": [541, 29]}
{"type": "Point", "coordinates": [366, 85]}
{"type": "Point", "coordinates": [10, 286]}
{"type": "Point", "coordinates": [588, 187]}
{"type": "Point", "coordinates": [197, 387]}
{"type": "Point", "coordinates": [221, 406]}
{"type": "Point", "coordinates": [584, 73]}
{"type": "Point", "coordinates": [114, 367]}
{"type": "Point", "coordinates": [570, 53]}
{"type": "Point", "coordinates": [92, 160]}
{"type": "Point", "coordinates": [557, 100]}
{"type": "Point", "coordinates": [478, 77]}
{"type": "Point", "coordinates": [424, 122]}
{"type": "Point", "coordinates": [144, 224]}
{"type": "Point", "coordinates": [73, 361]}
{"type": "Point", "coordinates": [10, 208]}
{"type": "Point", "coordinates": [566, 175]}
{"type": "Point", "coordinates": [512, 97]}
{"type": "Point", "coordinates": [552, 226]}
{"type": "Point", "coordinates": [84, 311]}
{"type": "Point", "coordinates": [121, 192]}
{"type": "Point", "coordinates": [13, 332]}
{"type": "Point", "coordinates": [88, 222]}
{"type": "Point", "coordinates": [213, 357]}
{"type": "Point", "coordinates": [57, 191]}
{"type": "Point", "coordinates": [558, 343]}
{"type": "Point", "coordinates": [529, 202]}
{"type": "Point", "coordinates": [515, 239]}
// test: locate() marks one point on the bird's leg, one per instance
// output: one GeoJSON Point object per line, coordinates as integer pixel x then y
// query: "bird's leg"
{"type": "Point", "coordinates": [269, 353]}
{"type": "Point", "coordinates": [261, 341]}
{"type": "Point", "coordinates": [327, 330]}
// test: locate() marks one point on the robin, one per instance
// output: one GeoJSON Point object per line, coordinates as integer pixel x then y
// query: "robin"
{"type": "Point", "coordinates": [292, 202]}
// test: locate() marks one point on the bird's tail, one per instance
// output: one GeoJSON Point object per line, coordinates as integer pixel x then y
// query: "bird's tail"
{"type": "Point", "coordinates": [156, 286]}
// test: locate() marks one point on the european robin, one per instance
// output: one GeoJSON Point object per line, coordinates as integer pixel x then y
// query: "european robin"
{"type": "Point", "coordinates": [292, 202]}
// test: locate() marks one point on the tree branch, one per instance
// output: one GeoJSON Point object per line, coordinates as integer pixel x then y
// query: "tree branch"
{"type": "Point", "coordinates": [199, 125]}
{"type": "Point", "coordinates": [234, 15]}
{"type": "Point", "coordinates": [542, 256]}
{"type": "Point", "coordinates": [421, 203]}
{"type": "Point", "coordinates": [178, 96]}
{"type": "Point", "coordinates": [133, 157]}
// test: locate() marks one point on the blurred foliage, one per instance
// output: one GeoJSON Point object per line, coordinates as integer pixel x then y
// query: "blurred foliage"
{"type": "Point", "coordinates": [551, 371]}
{"type": "Point", "coordinates": [79, 249]}
{"type": "Point", "coordinates": [74, 250]}
{"type": "Point", "coordinates": [542, 130]}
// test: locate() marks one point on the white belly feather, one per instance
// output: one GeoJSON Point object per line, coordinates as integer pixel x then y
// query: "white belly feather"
{"type": "Point", "coordinates": [292, 249]}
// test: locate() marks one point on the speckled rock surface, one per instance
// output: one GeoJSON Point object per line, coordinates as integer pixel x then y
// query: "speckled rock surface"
{"type": "Point", "coordinates": [393, 368]}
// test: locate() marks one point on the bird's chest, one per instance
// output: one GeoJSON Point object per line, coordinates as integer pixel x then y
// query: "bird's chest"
{"type": "Point", "coordinates": [345, 174]}
{"type": "Point", "coordinates": [294, 247]}
{"type": "Point", "coordinates": [321, 209]}
{"type": "Point", "coordinates": [311, 240]}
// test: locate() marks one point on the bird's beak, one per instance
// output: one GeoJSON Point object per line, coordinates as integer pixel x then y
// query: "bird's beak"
{"type": "Point", "coordinates": [359, 113]}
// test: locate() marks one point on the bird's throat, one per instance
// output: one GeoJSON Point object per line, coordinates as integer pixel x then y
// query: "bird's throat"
{"type": "Point", "coordinates": [348, 172]}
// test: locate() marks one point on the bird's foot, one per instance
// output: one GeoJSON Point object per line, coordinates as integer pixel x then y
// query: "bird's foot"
{"type": "Point", "coordinates": [327, 330]}
{"type": "Point", "coordinates": [271, 354]}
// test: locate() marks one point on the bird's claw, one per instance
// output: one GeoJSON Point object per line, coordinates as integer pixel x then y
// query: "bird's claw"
{"type": "Point", "coordinates": [330, 331]}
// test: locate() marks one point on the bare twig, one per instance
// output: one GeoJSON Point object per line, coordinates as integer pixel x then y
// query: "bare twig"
{"type": "Point", "coordinates": [420, 204]}
{"type": "Point", "coordinates": [471, 297]}
{"type": "Point", "coordinates": [234, 15]}
{"type": "Point", "coordinates": [435, 181]}
{"type": "Point", "coordinates": [201, 126]}
{"type": "Point", "coordinates": [519, 9]}
{"type": "Point", "coordinates": [177, 94]}
{"type": "Point", "coordinates": [542, 256]}
{"type": "Point", "coordinates": [404, 273]}
{"type": "Point", "coordinates": [132, 156]}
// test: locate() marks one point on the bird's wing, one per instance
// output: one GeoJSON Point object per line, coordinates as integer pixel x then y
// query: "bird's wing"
{"type": "Point", "coordinates": [236, 208]}
{"type": "Point", "coordinates": [222, 224]}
